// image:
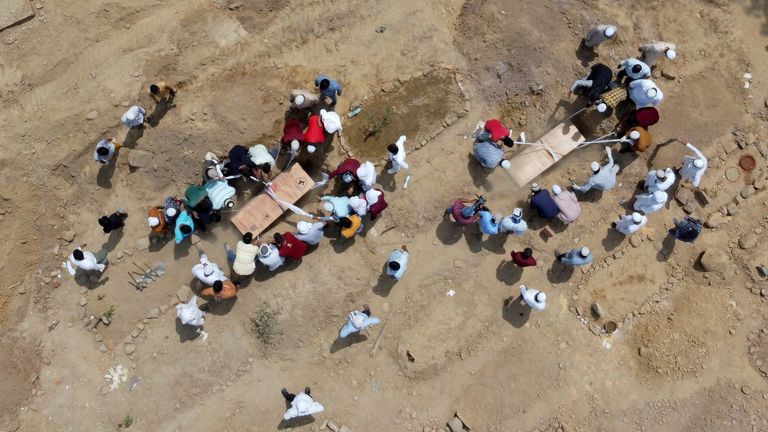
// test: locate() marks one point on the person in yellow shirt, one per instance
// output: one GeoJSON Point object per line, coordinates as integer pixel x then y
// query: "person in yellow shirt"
{"type": "Point", "coordinates": [350, 226]}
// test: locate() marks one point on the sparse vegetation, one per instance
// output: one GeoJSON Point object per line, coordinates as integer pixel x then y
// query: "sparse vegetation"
{"type": "Point", "coordinates": [127, 422]}
{"type": "Point", "coordinates": [106, 317]}
{"type": "Point", "coordinates": [264, 324]}
{"type": "Point", "coordinates": [377, 124]}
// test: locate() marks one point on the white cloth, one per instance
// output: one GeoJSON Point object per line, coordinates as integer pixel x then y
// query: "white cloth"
{"type": "Point", "coordinates": [260, 155]}
{"type": "Point", "coordinates": [689, 170]}
{"type": "Point", "coordinates": [302, 405]}
{"type": "Point", "coordinates": [638, 92]}
{"type": "Point", "coordinates": [367, 175]}
{"type": "Point", "coordinates": [627, 226]}
{"type": "Point", "coordinates": [359, 205]}
{"type": "Point", "coordinates": [398, 160]}
{"type": "Point", "coordinates": [88, 263]}
{"type": "Point", "coordinates": [136, 113]}
{"type": "Point", "coordinates": [189, 313]}
{"type": "Point", "coordinates": [653, 184]}
{"type": "Point", "coordinates": [647, 203]}
{"type": "Point", "coordinates": [331, 121]}
{"type": "Point", "coordinates": [272, 260]}
{"type": "Point", "coordinates": [630, 63]}
{"type": "Point", "coordinates": [207, 272]}
{"type": "Point", "coordinates": [653, 51]}
{"type": "Point", "coordinates": [314, 235]}
{"type": "Point", "coordinates": [529, 296]}
{"type": "Point", "coordinates": [508, 224]}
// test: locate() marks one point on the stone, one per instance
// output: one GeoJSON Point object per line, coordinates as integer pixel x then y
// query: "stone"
{"type": "Point", "coordinates": [750, 139]}
{"type": "Point", "coordinates": [732, 174]}
{"type": "Point", "coordinates": [102, 348]}
{"type": "Point", "coordinates": [690, 207]}
{"type": "Point", "coordinates": [635, 241]}
{"type": "Point", "coordinates": [140, 158]}
{"type": "Point", "coordinates": [153, 313]}
{"type": "Point", "coordinates": [343, 428]}
{"type": "Point", "coordinates": [194, 239]}
{"type": "Point", "coordinates": [683, 196]}
{"type": "Point", "coordinates": [714, 220]}
{"type": "Point", "coordinates": [92, 115]}
{"type": "Point", "coordinates": [597, 310]}
{"type": "Point", "coordinates": [761, 182]}
{"type": "Point", "coordinates": [732, 209]}
{"type": "Point", "coordinates": [163, 309]}
{"type": "Point", "coordinates": [68, 236]}
{"type": "Point", "coordinates": [184, 293]}
{"type": "Point", "coordinates": [332, 426]}
{"type": "Point", "coordinates": [764, 292]}
{"type": "Point", "coordinates": [732, 331]}
{"type": "Point", "coordinates": [129, 348]}
{"type": "Point", "coordinates": [47, 280]}
{"type": "Point", "coordinates": [729, 147]}
{"type": "Point", "coordinates": [643, 352]}
{"type": "Point", "coordinates": [748, 241]}
{"type": "Point", "coordinates": [142, 243]}
{"type": "Point", "coordinates": [456, 425]}
{"type": "Point", "coordinates": [703, 198]}
{"type": "Point", "coordinates": [748, 191]}
{"type": "Point", "coordinates": [83, 301]}
{"type": "Point", "coordinates": [714, 260]}
{"type": "Point", "coordinates": [135, 334]}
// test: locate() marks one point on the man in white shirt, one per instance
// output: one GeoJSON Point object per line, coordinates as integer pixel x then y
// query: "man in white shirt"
{"type": "Point", "coordinates": [367, 175]}
{"type": "Point", "coordinates": [598, 34]}
{"type": "Point", "coordinates": [660, 180]}
{"type": "Point", "coordinates": [105, 150]}
{"type": "Point", "coordinates": [693, 167]}
{"type": "Point", "coordinates": [134, 117]}
{"type": "Point", "coordinates": [514, 223]}
{"type": "Point", "coordinates": [630, 224]}
{"type": "Point", "coordinates": [302, 404]}
{"type": "Point", "coordinates": [656, 50]}
{"type": "Point", "coordinates": [534, 298]}
{"type": "Point", "coordinates": [270, 256]}
{"type": "Point", "coordinates": [207, 272]}
{"type": "Point", "coordinates": [644, 92]}
{"type": "Point", "coordinates": [396, 153]}
{"type": "Point", "coordinates": [85, 260]}
{"type": "Point", "coordinates": [310, 233]}
{"type": "Point", "coordinates": [650, 202]}
{"type": "Point", "coordinates": [634, 69]}
{"type": "Point", "coordinates": [602, 178]}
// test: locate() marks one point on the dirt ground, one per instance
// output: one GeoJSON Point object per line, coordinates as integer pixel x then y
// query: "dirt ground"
{"type": "Point", "coordinates": [691, 350]}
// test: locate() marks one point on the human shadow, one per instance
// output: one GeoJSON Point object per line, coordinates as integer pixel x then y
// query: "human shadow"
{"type": "Point", "coordinates": [667, 247]}
{"type": "Point", "coordinates": [221, 307]}
{"type": "Point", "coordinates": [612, 239]}
{"type": "Point", "coordinates": [133, 136]}
{"type": "Point", "coordinates": [90, 279]}
{"type": "Point", "coordinates": [515, 312]}
{"type": "Point", "coordinates": [156, 242]}
{"type": "Point", "coordinates": [104, 176]}
{"type": "Point", "coordinates": [656, 148]}
{"type": "Point", "coordinates": [478, 173]}
{"type": "Point", "coordinates": [508, 273]}
{"type": "Point", "coordinates": [386, 180]}
{"type": "Point", "coordinates": [186, 332]}
{"type": "Point", "coordinates": [161, 109]}
{"type": "Point", "coordinates": [341, 343]}
{"type": "Point", "coordinates": [181, 250]}
{"type": "Point", "coordinates": [592, 196]}
{"type": "Point", "coordinates": [757, 8]}
{"type": "Point", "coordinates": [263, 273]}
{"type": "Point", "coordinates": [474, 238]}
{"type": "Point", "coordinates": [113, 239]}
{"type": "Point", "coordinates": [585, 54]}
{"type": "Point", "coordinates": [495, 243]}
{"type": "Point", "coordinates": [341, 244]}
{"type": "Point", "coordinates": [559, 273]}
{"type": "Point", "coordinates": [385, 283]}
{"type": "Point", "coordinates": [295, 422]}
{"type": "Point", "coordinates": [448, 232]}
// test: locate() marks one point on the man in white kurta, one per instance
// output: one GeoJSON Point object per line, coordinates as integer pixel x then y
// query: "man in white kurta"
{"type": "Point", "coordinates": [653, 51]}
{"type": "Point", "coordinates": [659, 180]}
{"type": "Point", "coordinates": [650, 202]}
{"type": "Point", "coordinates": [598, 34]}
{"type": "Point", "coordinates": [693, 166]}
{"type": "Point", "coordinates": [630, 224]}
{"type": "Point", "coordinates": [533, 297]}
{"type": "Point", "coordinates": [207, 272]}
{"type": "Point", "coordinates": [644, 92]}
{"type": "Point", "coordinates": [396, 153]}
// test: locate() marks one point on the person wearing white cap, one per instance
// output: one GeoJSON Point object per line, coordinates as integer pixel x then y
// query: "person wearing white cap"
{"type": "Point", "coordinates": [358, 320]}
{"type": "Point", "coordinates": [644, 92]}
{"type": "Point", "coordinates": [338, 206]}
{"type": "Point", "coordinates": [259, 155]}
{"type": "Point", "coordinates": [207, 272]}
{"type": "Point", "coordinates": [134, 117]}
{"type": "Point", "coordinates": [598, 34]}
{"type": "Point", "coordinates": [602, 178]}
{"type": "Point", "coordinates": [310, 233]}
{"type": "Point", "coordinates": [650, 202]}
{"type": "Point", "coordinates": [269, 255]}
{"type": "Point", "coordinates": [514, 223]}
{"type": "Point", "coordinates": [653, 51]}
{"type": "Point", "coordinates": [575, 257]}
{"type": "Point", "coordinates": [358, 205]}
{"type": "Point", "coordinates": [302, 404]}
{"type": "Point", "coordinates": [533, 297]}
{"type": "Point", "coordinates": [629, 224]}
{"type": "Point", "coordinates": [396, 153]}
{"type": "Point", "coordinates": [366, 174]}
{"type": "Point", "coordinates": [660, 180]}
{"type": "Point", "coordinates": [693, 166]}
{"type": "Point", "coordinates": [376, 202]}
{"type": "Point", "coordinates": [330, 120]}
{"type": "Point", "coordinates": [634, 69]}
{"type": "Point", "coordinates": [303, 99]}
{"type": "Point", "coordinates": [566, 202]}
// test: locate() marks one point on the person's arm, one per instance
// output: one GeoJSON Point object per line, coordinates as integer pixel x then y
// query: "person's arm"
{"type": "Point", "coordinates": [696, 151]}
{"type": "Point", "coordinates": [610, 156]}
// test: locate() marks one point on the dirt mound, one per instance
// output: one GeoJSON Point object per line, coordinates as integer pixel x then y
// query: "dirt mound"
{"type": "Point", "coordinates": [758, 351]}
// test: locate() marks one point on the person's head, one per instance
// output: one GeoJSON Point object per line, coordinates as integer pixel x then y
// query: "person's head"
{"type": "Point", "coordinates": [279, 239]}
{"type": "Point", "coordinates": [652, 92]}
{"type": "Point", "coordinates": [594, 166]}
{"type": "Point", "coordinates": [527, 252]}
{"type": "Point", "coordinates": [636, 69]}
{"type": "Point", "coordinates": [327, 206]}
{"type": "Point", "coordinates": [506, 164]}
{"type": "Point", "coordinates": [660, 196]}
{"type": "Point", "coordinates": [245, 171]}
{"type": "Point", "coordinates": [130, 115]}
{"type": "Point", "coordinates": [661, 174]}
{"type": "Point", "coordinates": [311, 149]}
{"type": "Point", "coordinates": [535, 188]}
{"type": "Point", "coordinates": [610, 31]}
{"type": "Point", "coordinates": [540, 297]}
{"type": "Point", "coordinates": [218, 286]}
{"type": "Point", "coordinates": [517, 214]}
{"type": "Point", "coordinates": [264, 250]}
{"type": "Point", "coordinates": [298, 99]}
{"type": "Point", "coordinates": [78, 255]}
{"type": "Point", "coordinates": [324, 84]}
{"type": "Point", "coordinates": [698, 163]}
{"type": "Point", "coordinates": [467, 212]}
{"type": "Point", "coordinates": [670, 53]}
{"type": "Point", "coordinates": [295, 144]}
{"type": "Point", "coordinates": [104, 222]}
{"type": "Point", "coordinates": [171, 212]}
{"type": "Point", "coordinates": [303, 227]}
{"type": "Point", "coordinates": [185, 229]}
{"type": "Point", "coordinates": [602, 107]}
{"type": "Point", "coordinates": [345, 222]}
{"type": "Point", "coordinates": [556, 189]}
{"type": "Point", "coordinates": [266, 168]}
{"type": "Point", "coordinates": [153, 221]}
{"type": "Point", "coordinates": [394, 265]}
{"type": "Point", "coordinates": [584, 252]}
{"type": "Point", "coordinates": [102, 151]}
{"type": "Point", "coordinates": [347, 177]}
{"type": "Point", "coordinates": [509, 142]}
{"type": "Point", "coordinates": [248, 237]}
{"type": "Point", "coordinates": [154, 89]}
{"type": "Point", "coordinates": [392, 148]}
{"type": "Point", "coordinates": [637, 218]}
{"type": "Point", "coordinates": [635, 135]}
{"type": "Point", "coordinates": [207, 269]}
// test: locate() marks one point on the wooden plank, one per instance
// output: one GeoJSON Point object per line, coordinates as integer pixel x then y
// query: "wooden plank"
{"type": "Point", "coordinates": [14, 11]}
{"type": "Point", "coordinates": [534, 160]}
{"type": "Point", "coordinates": [261, 211]}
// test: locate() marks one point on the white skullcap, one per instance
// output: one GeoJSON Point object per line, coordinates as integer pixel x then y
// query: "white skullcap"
{"type": "Point", "coordinates": [327, 206]}
{"type": "Point", "coordinates": [153, 221]}
{"type": "Point", "coordinates": [584, 251]}
{"type": "Point", "coordinates": [303, 227]}
{"type": "Point", "coordinates": [556, 189]}
{"type": "Point", "coordinates": [170, 212]}
{"type": "Point", "coordinates": [506, 164]}
{"type": "Point", "coordinates": [671, 54]}
{"type": "Point", "coordinates": [535, 187]}
{"type": "Point", "coordinates": [698, 163]}
{"type": "Point", "coordinates": [311, 148]}
{"type": "Point", "coordinates": [295, 145]}
{"type": "Point", "coordinates": [358, 205]}
{"type": "Point", "coordinates": [660, 196]}
{"type": "Point", "coordinates": [634, 134]}
{"type": "Point", "coordinates": [298, 100]}
{"type": "Point", "coordinates": [205, 267]}
{"type": "Point", "coordinates": [610, 31]}
{"type": "Point", "coordinates": [636, 217]}
{"type": "Point", "coordinates": [661, 174]}
{"type": "Point", "coordinates": [323, 112]}
{"type": "Point", "coordinates": [130, 115]}
{"type": "Point", "coordinates": [517, 212]}
{"type": "Point", "coordinates": [602, 107]}
{"type": "Point", "coordinates": [264, 250]}
{"type": "Point", "coordinates": [594, 166]}
{"type": "Point", "coordinates": [372, 196]}
{"type": "Point", "coordinates": [651, 92]}
{"type": "Point", "coordinates": [540, 297]}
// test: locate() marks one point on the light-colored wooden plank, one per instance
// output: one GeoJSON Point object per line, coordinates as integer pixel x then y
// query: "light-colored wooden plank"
{"type": "Point", "coordinates": [261, 211]}
{"type": "Point", "coordinates": [534, 160]}
{"type": "Point", "coordinates": [13, 11]}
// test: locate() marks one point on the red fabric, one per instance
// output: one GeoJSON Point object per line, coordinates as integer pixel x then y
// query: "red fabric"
{"type": "Point", "coordinates": [292, 247]}
{"type": "Point", "coordinates": [350, 165]}
{"type": "Point", "coordinates": [456, 209]}
{"type": "Point", "coordinates": [378, 207]}
{"type": "Point", "coordinates": [645, 117]}
{"type": "Point", "coordinates": [521, 261]}
{"type": "Point", "coordinates": [292, 130]}
{"type": "Point", "coordinates": [315, 133]}
{"type": "Point", "coordinates": [496, 129]}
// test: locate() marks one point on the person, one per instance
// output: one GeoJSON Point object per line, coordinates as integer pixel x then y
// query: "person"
{"type": "Point", "coordinates": [358, 320]}
{"type": "Point", "coordinates": [494, 130]}
{"type": "Point", "coordinates": [543, 203]}
{"type": "Point", "coordinates": [575, 257]}
{"type": "Point", "coordinates": [302, 404]}
{"type": "Point", "coordinates": [134, 117]}
{"type": "Point", "coordinates": [650, 202]}
{"type": "Point", "coordinates": [171, 214]}
{"type": "Point", "coordinates": [598, 34]}
{"type": "Point", "coordinates": [106, 150]}
{"type": "Point", "coordinates": [593, 85]}
{"type": "Point", "coordinates": [397, 263]}
{"type": "Point", "coordinates": [310, 233]}
{"type": "Point", "coordinates": [630, 224]}
{"type": "Point", "coordinates": [514, 223]}
{"type": "Point", "coordinates": [206, 271]}
{"type": "Point", "coordinates": [524, 258]}
{"type": "Point", "coordinates": [396, 154]}
{"type": "Point", "coordinates": [85, 260]}
{"type": "Point", "coordinates": [659, 180]}
{"type": "Point", "coordinates": [331, 121]}
{"type": "Point", "coordinates": [293, 130]}
{"type": "Point", "coordinates": [261, 157]}
{"type": "Point", "coordinates": [566, 202]}
{"type": "Point", "coordinates": [314, 136]}
{"type": "Point", "coordinates": [653, 51]}
{"type": "Point", "coordinates": [489, 224]}
{"type": "Point", "coordinates": [347, 171]}
{"type": "Point", "coordinates": [376, 203]}
{"type": "Point", "coordinates": [244, 258]}
{"type": "Point", "coordinates": [212, 168]}
{"type": "Point", "coordinates": [534, 298]}
{"type": "Point", "coordinates": [350, 226]}
{"type": "Point", "coordinates": [489, 154]}
{"type": "Point", "coordinates": [156, 220]}
{"type": "Point", "coordinates": [693, 167]}
{"type": "Point", "coordinates": [113, 222]}
{"type": "Point", "coordinates": [302, 99]}
{"type": "Point", "coordinates": [602, 178]}
{"type": "Point", "coordinates": [240, 161]}
{"type": "Point", "coordinates": [633, 69]}
{"type": "Point", "coordinates": [221, 290]}
{"type": "Point", "coordinates": [644, 92]}
{"type": "Point", "coordinates": [329, 88]}
{"type": "Point", "coordinates": [185, 226]}
{"type": "Point", "coordinates": [269, 255]}
{"type": "Point", "coordinates": [358, 205]}
{"type": "Point", "coordinates": [338, 206]}
{"type": "Point", "coordinates": [366, 174]}
{"type": "Point", "coordinates": [162, 92]}
{"type": "Point", "coordinates": [190, 314]}
{"type": "Point", "coordinates": [288, 246]}
{"type": "Point", "coordinates": [463, 211]}
{"type": "Point", "coordinates": [638, 139]}
{"type": "Point", "coordinates": [686, 230]}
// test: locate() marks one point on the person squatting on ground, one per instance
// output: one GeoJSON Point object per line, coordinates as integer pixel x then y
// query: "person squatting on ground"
{"type": "Point", "coordinates": [654, 51]}
{"type": "Point", "coordinates": [543, 203]}
{"type": "Point", "coordinates": [397, 263]}
{"type": "Point", "coordinates": [598, 34]}
{"type": "Point", "coordinates": [566, 202]}
{"type": "Point", "coordinates": [302, 404]}
{"type": "Point", "coordinates": [524, 258]}
{"type": "Point", "coordinates": [650, 202]}
{"type": "Point", "coordinates": [310, 233]}
{"type": "Point", "coordinates": [489, 223]}
{"type": "Point", "coordinates": [244, 258]}
{"type": "Point", "coordinates": [514, 223]}
{"type": "Point", "coordinates": [221, 290]}
{"type": "Point", "coordinates": [686, 230]}
{"type": "Point", "coordinates": [106, 150]}
{"type": "Point", "coordinates": [162, 92]}
{"type": "Point", "coordinates": [113, 222]}
{"type": "Point", "coordinates": [659, 180]}
{"type": "Point", "coordinates": [630, 224]}
{"type": "Point", "coordinates": [134, 117]}
{"type": "Point", "coordinates": [207, 271]}
{"type": "Point", "coordinates": [358, 320]}
{"type": "Point", "coordinates": [602, 178]}
{"type": "Point", "coordinates": [575, 257]}
{"type": "Point", "coordinates": [328, 87]}
{"type": "Point", "coordinates": [693, 166]}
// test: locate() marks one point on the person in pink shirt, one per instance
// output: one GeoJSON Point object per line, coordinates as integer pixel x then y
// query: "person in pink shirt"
{"type": "Point", "coordinates": [566, 202]}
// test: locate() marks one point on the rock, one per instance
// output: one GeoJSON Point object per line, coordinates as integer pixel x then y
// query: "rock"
{"type": "Point", "coordinates": [163, 309]}
{"type": "Point", "coordinates": [732, 174]}
{"type": "Point", "coordinates": [139, 158]}
{"type": "Point", "coordinates": [102, 348]}
{"type": "Point", "coordinates": [732, 331]}
{"type": "Point", "coordinates": [729, 147]}
{"type": "Point", "coordinates": [748, 191]}
{"type": "Point", "coordinates": [332, 426]}
{"type": "Point", "coordinates": [764, 292]}
{"type": "Point", "coordinates": [83, 301]}
{"type": "Point", "coordinates": [732, 209]}
{"type": "Point", "coordinates": [154, 313]}
{"type": "Point", "coordinates": [344, 429]}
{"type": "Point", "coordinates": [750, 139]}
{"type": "Point", "coordinates": [92, 115]}
{"type": "Point", "coordinates": [456, 425]}
{"type": "Point", "coordinates": [714, 260]}
{"type": "Point", "coordinates": [683, 196]}
{"type": "Point", "coordinates": [703, 198]}
{"type": "Point", "coordinates": [194, 239]}
{"type": "Point", "coordinates": [129, 348]}
{"type": "Point", "coordinates": [761, 182]}
{"type": "Point", "coordinates": [714, 220]}
{"type": "Point", "coordinates": [184, 293]}
{"type": "Point", "coordinates": [635, 241]}
{"type": "Point", "coordinates": [643, 352]}
{"type": "Point", "coordinates": [135, 334]}
{"type": "Point", "coordinates": [690, 207]}
{"type": "Point", "coordinates": [668, 75]}
{"type": "Point", "coordinates": [47, 280]}
{"type": "Point", "coordinates": [142, 243]}
{"type": "Point", "coordinates": [68, 236]}
{"type": "Point", "coordinates": [748, 241]}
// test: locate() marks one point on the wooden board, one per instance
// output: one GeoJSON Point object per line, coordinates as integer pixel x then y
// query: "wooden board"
{"type": "Point", "coordinates": [14, 11]}
{"type": "Point", "coordinates": [534, 160]}
{"type": "Point", "coordinates": [261, 211]}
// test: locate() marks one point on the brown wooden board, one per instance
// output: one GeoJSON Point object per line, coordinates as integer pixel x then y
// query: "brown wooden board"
{"type": "Point", "coordinates": [14, 11]}
{"type": "Point", "coordinates": [261, 211]}
{"type": "Point", "coordinates": [534, 160]}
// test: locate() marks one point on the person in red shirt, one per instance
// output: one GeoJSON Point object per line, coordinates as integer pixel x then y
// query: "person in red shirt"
{"type": "Point", "coordinates": [315, 134]}
{"type": "Point", "coordinates": [292, 131]}
{"type": "Point", "coordinates": [524, 258]}
{"type": "Point", "coordinates": [497, 132]}
{"type": "Point", "coordinates": [289, 246]}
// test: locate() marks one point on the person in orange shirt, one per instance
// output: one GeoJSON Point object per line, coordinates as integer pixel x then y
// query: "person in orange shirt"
{"type": "Point", "coordinates": [221, 290]}
{"type": "Point", "coordinates": [156, 220]}
{"type": "Point", "coordinates": [638, 139]}
{"type": "Point", "coordinates": [350, 226]}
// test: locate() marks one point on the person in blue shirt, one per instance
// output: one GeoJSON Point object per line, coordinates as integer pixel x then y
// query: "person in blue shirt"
{"type": "Point", "coordinates": [543, 203]}
{"type": "Point", "coordinates": [488, 223]}
{"type": "Point", "coordinates": [397, 263]}
{"type": "Point", "coordinates": [576, 257]}
{"type": "Point", "coordinates": [185, 226]}
{"type": "Point", "coordinates": [328, 87]}
{"type": "Point", "coordinates": [358, 320]}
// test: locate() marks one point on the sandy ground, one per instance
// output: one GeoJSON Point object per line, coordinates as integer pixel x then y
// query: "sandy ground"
{"type": "Point", "coordinates": [691, 351]}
